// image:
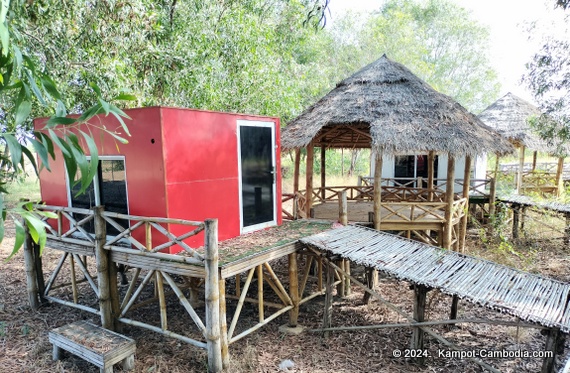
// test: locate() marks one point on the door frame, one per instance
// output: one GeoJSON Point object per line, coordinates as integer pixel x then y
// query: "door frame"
{"type": "Point", "coordinates": [273, 222]}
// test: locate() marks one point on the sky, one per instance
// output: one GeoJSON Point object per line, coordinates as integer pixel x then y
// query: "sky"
{"type": "Point", "coordinates": [510, 47]}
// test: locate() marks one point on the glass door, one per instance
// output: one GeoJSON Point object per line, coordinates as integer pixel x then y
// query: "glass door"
{"type": "Point", "coordinates": [256, 147]}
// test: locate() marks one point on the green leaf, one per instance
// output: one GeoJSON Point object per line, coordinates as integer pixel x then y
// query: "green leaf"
{"type": "Point", "coordinates": [15, 150]}
{"type": "Point", "coordinates": [54, 121]}
{"type": "Point", "coordinates": [35, 88]}
{"type": "Point", "coordinates": [32, 159]}
{"type": "Point", "coordinates": [20, 237]}
{"type": "Point", "coordinates": [37, 229]}
{"type": "Point", "coordinates": [119, 138]}
{"type": "Point", "coordinates": [94, 155]}
{"type": "Point", "coordinates": [91, 112]}
{"type": "Point", "coordinates": [60, 110]}
{"type": "Point", "coordinates": [105, 105]}
{"type": "Point", "coordinates": [119, 114]}
{"type": "Point", "coordinates": [46, 142]}
{"type": "Point", "coordinates": [60, 143]}
{"type": "Point", "coordinates": [49, 86]}
{"type": "Point", "coordinates": [95, 88]}
{"type": "Point", "coordinates": [42, 153]}
{"type": "Point", "coordinates": [23, 111]}
{"type": "Point", "coordinates": [4, 10]}
{"type": "Point", "coordinates": [5, 37]}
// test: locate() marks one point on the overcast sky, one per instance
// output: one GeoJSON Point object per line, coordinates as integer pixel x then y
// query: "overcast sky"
{"type": "Point", "coordinates": [510, 46]}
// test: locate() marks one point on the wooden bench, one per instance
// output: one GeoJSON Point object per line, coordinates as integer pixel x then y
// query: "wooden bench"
{"type": "Point", "coordinates": [95, 344]}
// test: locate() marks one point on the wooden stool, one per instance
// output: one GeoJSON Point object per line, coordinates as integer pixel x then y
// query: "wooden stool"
{"type": "Point", "coordinates": [94, 344]}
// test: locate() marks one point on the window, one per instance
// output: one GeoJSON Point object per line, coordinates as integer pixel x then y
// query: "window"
{"type": "Point", "coordinates": [109, 188]}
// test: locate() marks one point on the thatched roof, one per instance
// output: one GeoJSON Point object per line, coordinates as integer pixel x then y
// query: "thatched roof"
{"type": "Point", "coordinates": [387, 107]}
{"type": "Point", "coordinates": [510, 116]}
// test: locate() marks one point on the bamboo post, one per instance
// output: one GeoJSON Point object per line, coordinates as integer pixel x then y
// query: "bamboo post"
{"type": "Point", "coordinates": [449, 194]}
{"type": "Point", "coordinates": [309, 178]}
{"type": "Point", "coordinates": [559, 182]}
{"type": "Point", "coordinates": [102, 258]}
{"type": "Point", "coordinates": [159, 285]}
{"type": "Point", "coordinates": [431, 173]}
{"type": "Point", "coordinates": [223, 324]}
{"type": "Point", "coordinates": [377, 188]}
{"type": "Point", "coordinates": [454, 308]}
{"type": "Point", "coordinates": [371, 282]}
{"type": "Point", "coordinates": [73, 279]}
{"type": "Point", "coordinates": [465, 217]}
{"type": "Point", "coordinates": [31, 275]}
{"type": "Point", "coordinates": [212, 295]}
{"type": "Point", "coordinates": [293, 290]}
{"type": "Point", "coordinates": [323, 172]}
{"type": "Point", "coordinates": [417, 343]}
{"type": "Point", "coordinates": [327, 316]}
{"type": "Point", "coordinates": [342, 208]}
{"type": "Point", "coordinates": [516, 217]}
{"type": "Point", "coordinates": [552, 342]}
{"type": "Point", "coordinates": [39, 271]}
{"type": "Point", "coordinates": [347, 284]}
{"type": "Point", "coordinates": [567, 228]}
{"type": "Point", "coordinates": [296, 172]}
{"type": "Point", "coordinates": [340, 286]}
{"type": "Point", "coordinates": [519, 182]}
{"type": "Point", "coordinates": [260, 292]}
{"type": "Point", "coordinates": [492, 196]}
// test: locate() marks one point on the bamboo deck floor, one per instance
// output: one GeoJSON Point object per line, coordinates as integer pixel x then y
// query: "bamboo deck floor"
{"type": "Point", "coordinates": [358, 213]}
{"type": "Point", "coordinates": [529, 202]}
{"type": "Point", "coordinates": [528, 296]}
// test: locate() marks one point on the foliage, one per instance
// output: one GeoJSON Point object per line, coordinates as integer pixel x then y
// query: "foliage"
{"type": "Point", "coordinates": [548, 77]}
{"type": "Point", "coordinates": [26, 87]}
{"type": "Point", "coordinates": [439, 41]}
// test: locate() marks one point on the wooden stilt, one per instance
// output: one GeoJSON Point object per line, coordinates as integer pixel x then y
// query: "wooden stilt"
{"type": "Point", "coordinates": [159, 285]}
{"type": "Point", "coordinates": [371, 281]}
{"type": "Point", "coordinates": [347, 284]}
{"type": "Point", "coordinates": [567, 228]}
{"type": "Point", "coordinates": [296, 172]}
{"type": "Point", "coordinates": [309, 179]}
{"type": "Point", "coordinates": [103, 260]}
{"type": "Point", "coordinates": [559, 181]}
{"type": "Point", "coordinates": [449, 197]}
{"type": "Point", "coordinates": [519, 181]}
{"type": "Point", "coordinates": [260, 293]}
{"type": "Point", "coordinates": [431, 172]}
{"type": "Point", "coordinates": [465, 217]}
{"type": "Point", "coordinates": [323, 172]}
{"type": "Point", "coordinates": [39, 272]}
{"type": "Point", "coordinates": [73, 279]}
{"type": "Point", "coordinates": [516, 216]}
{"type": "Point", "coordinates": [31, 274]}
{"type": "Point", "coordinates": [420, 293]}
{"type": "Point", "coordinates": [327, 316]}
{"type": "Point", "coordinates": [212, 290]}
{"type": "Point", "coordinates": [552, 345]}
{"type": "Point", "coordinates": [377, 188]}
{"type": "Point", "coordinates": [534, 157]}
{"type": "Point", "coordinates": [492, 196]}
{"type": "Point", "coordinates": [454, 308]}
{"type": "Point", "coordinates": [340, 285]}
{"type": "Point", "coordinates": [342, 208]}
{"type": "Point", "coordinates": [293, 289]}
{"type": "Point", "coordinates": [223, 324]}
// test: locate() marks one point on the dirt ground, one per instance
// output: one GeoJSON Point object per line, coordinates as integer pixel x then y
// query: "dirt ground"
{"type": "Point", "coordinates": [24, 345]}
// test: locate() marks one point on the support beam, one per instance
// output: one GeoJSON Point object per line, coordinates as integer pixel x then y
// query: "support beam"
{"type": "Point", "coordinates": [420, 293]}
{"type": "Point", "coordinates": [431, 173]}
{"type": "Point", "coordinates": [534, 157]}
{"type": "Point", "coordinates": [371, 282]}
{"type": "Point", "coordinates": [294, 289]}
{"type": "Point", "coordinates": [327, 315]}
{"type": "Point", "coordinates": [212, 295]}
{"type": "Point", "coordinates": [559, 181]}
{"type": "Point", "coordinates": [377, 188]}
{"type": "Point", "coordinates": [465, 217]}
{"type": "Point", "coordinates": [309, 179]}
{"type": "Point", "coordinates": [449, 195]}
{"type": "Point", "coordinates": [520, 171]}
{"type": "Point", "coordinates": [553, 339]}
{"type": "Point", "coordinates": [31, 274]}
{"type": "Point", "coordinates": [516, 219]}
{"type": "Point", "coordinates": [223, 324]}
{"type": "Point", "coordinates": [323, 172]}
{"type": "Point", "coordinates": [296, 171]}
{"type": "Point", "coordinates": [103, 262]}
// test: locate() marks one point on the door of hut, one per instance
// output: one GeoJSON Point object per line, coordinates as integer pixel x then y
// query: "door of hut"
{"type": "Point", "coordinates": [256, 141]}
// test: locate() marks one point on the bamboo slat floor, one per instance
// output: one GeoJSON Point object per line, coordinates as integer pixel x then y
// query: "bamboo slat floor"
{"type": "Point", "coordinates": [527, 201]}
{"type": "Point", "coordinates": [528, 296]}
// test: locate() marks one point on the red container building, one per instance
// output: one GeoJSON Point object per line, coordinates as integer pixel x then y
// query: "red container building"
{"type": "Point", "coordinates": [185, 164]}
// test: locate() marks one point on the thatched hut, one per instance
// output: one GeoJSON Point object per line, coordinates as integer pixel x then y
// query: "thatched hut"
{"type": "Point", "coordinates": [385, 107]}
{"type": "Point", "coordinates": [510, 116]}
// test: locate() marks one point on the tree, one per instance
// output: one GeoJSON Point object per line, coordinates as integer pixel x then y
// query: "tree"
{"type": "Point", "coordinates": [27, 87]}
{"type": "Point", "coordinates": [548, 77]}
{"type": "Point", "coordinates": [438, 41]}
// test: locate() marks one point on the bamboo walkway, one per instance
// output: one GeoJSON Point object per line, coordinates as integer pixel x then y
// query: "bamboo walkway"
{"type": "Point", "coordinates": [529, 202]}
{"type": "Point", "coordinates": [527, 296]}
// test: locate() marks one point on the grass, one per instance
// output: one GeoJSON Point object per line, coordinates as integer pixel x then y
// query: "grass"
{"type": "Point", "coordinates": [24, 188]}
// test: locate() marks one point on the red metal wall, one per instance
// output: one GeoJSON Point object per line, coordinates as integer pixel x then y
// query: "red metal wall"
{"type": "Point", "coordinates": [180, 163]}
{"type": "Point", "coordinates": [201, 161]}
